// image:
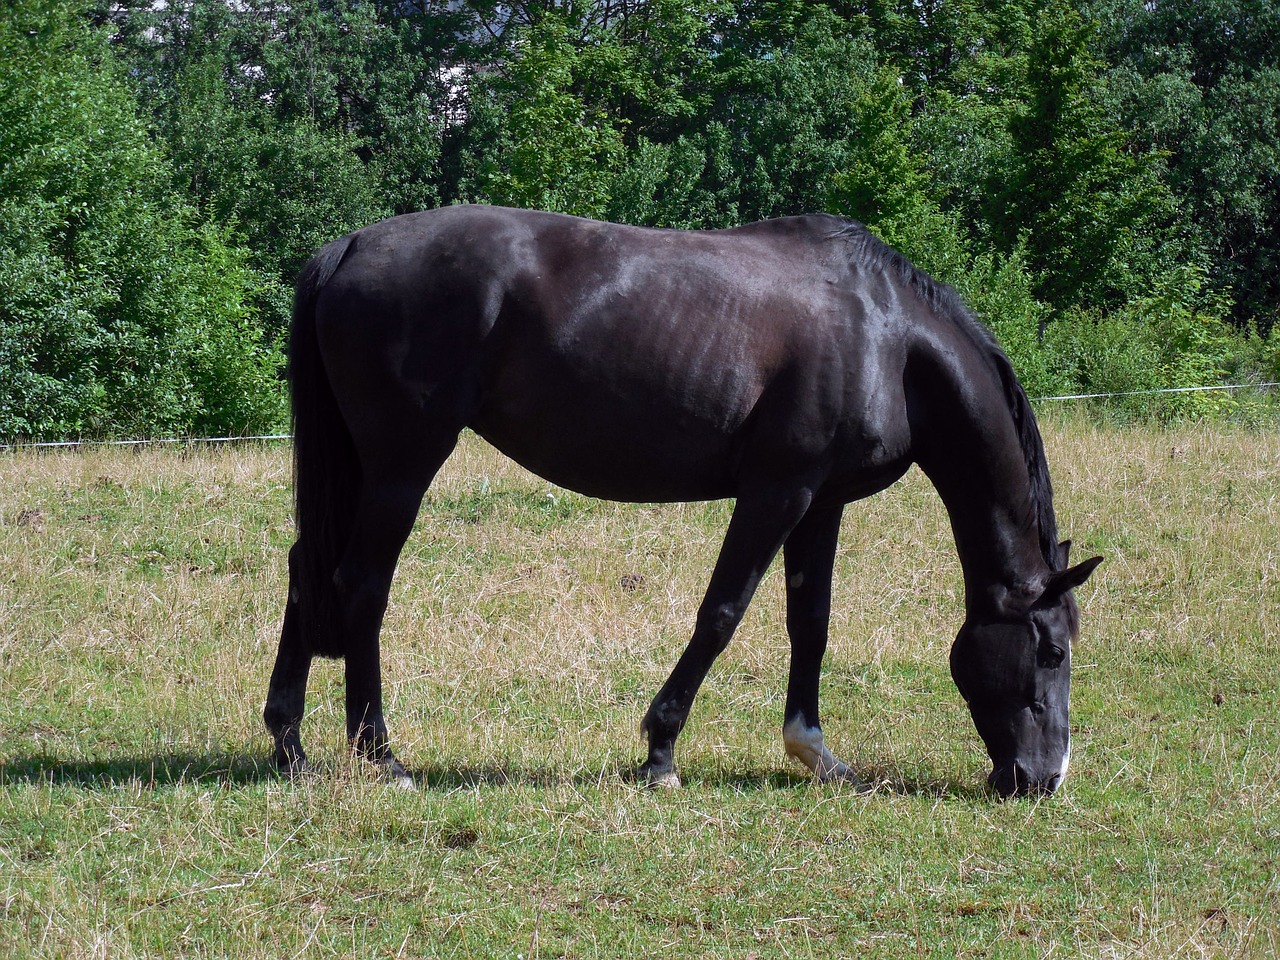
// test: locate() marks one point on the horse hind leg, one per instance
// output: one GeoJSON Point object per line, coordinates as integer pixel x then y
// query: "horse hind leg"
{"type": "Point", "coordinates": [809, 559]}
{"type": "Point", "coordinates": [388, 507]}
{"type": "Point", "coordinates": [385, 510]}
{"type": "Point", "coordinates": [362, 581]}
{"type": "Point", "coordinates": [286, 693]}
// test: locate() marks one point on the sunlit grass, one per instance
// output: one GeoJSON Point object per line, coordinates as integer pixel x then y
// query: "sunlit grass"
{"type": "Point", "coordinates": [528, 629]}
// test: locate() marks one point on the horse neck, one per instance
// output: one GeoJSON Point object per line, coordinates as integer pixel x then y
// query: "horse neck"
{"type": "Point", "coordinates": [974, 458]}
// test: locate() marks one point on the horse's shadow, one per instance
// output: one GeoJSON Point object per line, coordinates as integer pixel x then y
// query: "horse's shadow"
{"type": "Point", "coordinates": [242, 770]}
{"type": "Point", "coordinates": [151, 772]}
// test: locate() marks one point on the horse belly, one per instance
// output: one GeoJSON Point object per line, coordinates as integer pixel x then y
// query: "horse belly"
{"type": "Point", "coordinates": [602, 450]}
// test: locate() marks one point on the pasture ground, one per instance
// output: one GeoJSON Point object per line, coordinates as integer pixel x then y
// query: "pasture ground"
{"type": "Point", "coordinates": [139, 597]}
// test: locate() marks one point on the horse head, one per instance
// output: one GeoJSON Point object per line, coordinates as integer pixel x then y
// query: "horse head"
{"type": "Point", "coordinates": [1013, 667]}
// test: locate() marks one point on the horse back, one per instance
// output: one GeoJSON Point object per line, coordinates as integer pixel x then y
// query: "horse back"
{"type": "Point", "coordinates": [625, 362]}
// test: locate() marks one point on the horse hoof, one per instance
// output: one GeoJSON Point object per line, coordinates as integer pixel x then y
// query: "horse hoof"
{"type": "Point", "coordinates": [395, 774]}
{"type": "Point", "coordinates": [298, 770]}
{"type": "Point", "coordinates": [847, 779]}
{"type": "Point", "coordinates": [656, 779]}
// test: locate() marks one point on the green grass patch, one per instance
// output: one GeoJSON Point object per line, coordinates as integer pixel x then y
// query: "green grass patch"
{"type": "Point", "coordinates": [527, 631]}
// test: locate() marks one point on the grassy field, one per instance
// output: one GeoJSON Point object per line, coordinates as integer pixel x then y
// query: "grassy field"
{"type": "Point", "coordinates": [139, 599]}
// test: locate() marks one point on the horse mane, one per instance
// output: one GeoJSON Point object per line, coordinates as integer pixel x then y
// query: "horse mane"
{"type": "Point", "coordinates": [944, 300]}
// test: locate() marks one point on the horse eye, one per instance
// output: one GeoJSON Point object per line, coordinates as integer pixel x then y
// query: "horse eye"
{"type": "Point", "coordinates": [1051, 655]}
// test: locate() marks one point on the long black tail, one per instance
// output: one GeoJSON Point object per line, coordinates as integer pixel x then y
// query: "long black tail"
{"type": "Point", "coordinates": [326, 471]}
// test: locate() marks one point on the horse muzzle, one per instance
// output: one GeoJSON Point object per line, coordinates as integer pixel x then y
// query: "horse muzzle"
{"type": "Point", "coordinates": [1016, 780]}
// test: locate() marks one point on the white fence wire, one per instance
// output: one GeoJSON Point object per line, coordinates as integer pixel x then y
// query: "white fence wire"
{"type": "Point", "coordinates": [1147, 393]}
{"type": "Point", "coordinates": [55, 444]}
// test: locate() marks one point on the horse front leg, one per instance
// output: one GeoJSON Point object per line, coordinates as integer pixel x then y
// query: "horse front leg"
{"type": "Point", "coordinates": [760, 524]}
{"type": "Point", "coordinates": [809, 557]}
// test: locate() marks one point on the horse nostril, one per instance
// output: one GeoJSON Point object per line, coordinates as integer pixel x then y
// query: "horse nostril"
{"type": "Point", "coordinates": [1021, 779]}
{"type": "Point", "coordinates": [1004, 781]}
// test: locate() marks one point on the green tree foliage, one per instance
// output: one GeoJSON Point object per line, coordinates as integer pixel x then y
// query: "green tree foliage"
{"type": "Point", "coordinates": [120, 312]}
{"type": "Point", "coordinates": [546, 145]}
{"type": "Point", "coordinates": [290, 124]}
{"type": "Point", "coordinates": [1096, 177]}
{"type": "Point", "coordinates": [1201, 81]}
{"type": "Point", "coordinates": [1092, 212]}
{"type": "Point", "coordinates": [1173, 338]}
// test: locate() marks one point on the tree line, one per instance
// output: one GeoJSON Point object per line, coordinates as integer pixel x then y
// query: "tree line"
{"type": "Point", "coordinates": [1096, 177]}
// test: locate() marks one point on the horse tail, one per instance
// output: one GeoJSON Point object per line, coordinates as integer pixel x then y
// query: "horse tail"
{"type": "Point", "coordinates": [326, 471]}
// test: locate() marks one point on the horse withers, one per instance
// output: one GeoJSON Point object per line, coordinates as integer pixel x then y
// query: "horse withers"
{"type": "Point", "coordinates": [794, 365]}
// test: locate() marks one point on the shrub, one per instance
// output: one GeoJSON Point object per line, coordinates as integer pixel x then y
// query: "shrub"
{"type": "Point", "coordinates": [118, 313]}
{"type": "Point", "coordinates": [1174, 338]}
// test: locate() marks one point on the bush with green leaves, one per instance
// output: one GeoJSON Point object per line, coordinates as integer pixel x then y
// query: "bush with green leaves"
{"type": "Point", "coordinates": [120, 311]}
{"type": "Point", "coordinates": [1174, 338]}
{"type": "Point", "coordinates": [1059, 162]}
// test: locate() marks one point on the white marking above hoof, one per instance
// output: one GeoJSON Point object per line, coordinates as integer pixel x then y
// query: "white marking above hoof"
{"type": "Point", "coordinates": [396, 775]}
{"type": "Point", "coordinates": [670, 780]}
{"type": "Point", "coordinates": [806, 744]}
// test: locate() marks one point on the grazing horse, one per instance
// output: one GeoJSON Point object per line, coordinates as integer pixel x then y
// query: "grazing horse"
{"type": "Point", "coordinates": [794, 365]}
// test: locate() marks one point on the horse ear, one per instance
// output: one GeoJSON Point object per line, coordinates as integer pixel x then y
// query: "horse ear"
{"type": "Point", "coordinates": [1064, 580]}
{"type": "Point", "coordinates": [1064, 552]}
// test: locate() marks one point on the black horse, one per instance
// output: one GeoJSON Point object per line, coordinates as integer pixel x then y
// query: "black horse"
{"type": "Point", "coordinates": [795, 365]}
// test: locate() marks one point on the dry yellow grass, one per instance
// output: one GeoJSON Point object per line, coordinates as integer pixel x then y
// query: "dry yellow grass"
{"type": "Point", "coordinates": [527, 631]}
